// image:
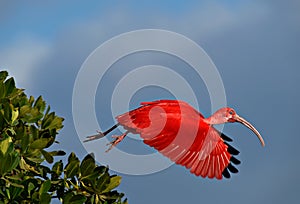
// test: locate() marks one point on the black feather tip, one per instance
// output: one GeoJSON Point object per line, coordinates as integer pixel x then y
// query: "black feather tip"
{"type": "Point", "coordinates": [233, 161]}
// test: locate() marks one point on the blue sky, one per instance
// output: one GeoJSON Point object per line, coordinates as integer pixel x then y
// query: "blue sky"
{"type": "Point", "coordinates": [254, 45]}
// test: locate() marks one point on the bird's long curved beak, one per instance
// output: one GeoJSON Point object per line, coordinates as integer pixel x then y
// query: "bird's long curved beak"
{"type": "Point", "coordinates": [251, 127]}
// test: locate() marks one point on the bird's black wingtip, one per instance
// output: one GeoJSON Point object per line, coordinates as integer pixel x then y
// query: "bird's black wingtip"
{"type": "Point", "coordinates": [226, 138]}
{"type": "Point", "coordinates": [231, 168]}
{"type": "Point", "coordinates": [233, 161]}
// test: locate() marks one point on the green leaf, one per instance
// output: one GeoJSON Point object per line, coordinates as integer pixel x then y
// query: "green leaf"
{"type": "Point", "coordinates": [27, 167]}
{"type": "Point", "coordinates": [5, 144]}
{"type": "Point", "coordinates": [77, 199]}
{"type": "Point", "coordinates": [16, 94]}
{"type": "Point", "coordinates": [16, 185]}
{"type": "Point", "coordinates": [9, 158]}
{"type": "Point", "coordinates": [14, 116]}
{"type": "Point", "coordinates": [72, 157]}
{"type": "Point", "coordinates": [114, 182]}
{"type": "Point", "coordinates": [103, 182]}
{"type": "Point", "coordinates": [56, 123]}
{"type": "Point", "coordinates": [10, 85]}
{"type": "Point", "coordinates": [40, 104]}
{"type": "Point", "coordinates": [40, 143]}
{"type": "Point", "coordinates": [24, 141]}
{"type": "Point", "coordinates": [7, 112]}
{"type": "Point", "coordinates": [58, 168]}
{"type": "Point", "coordinates": [3, 76]}
{"type": "Point", "coordinates": [47, 156]}
{"type": "Point", "coordinates": [15, 160]}
{"type": "Point", "coordinates": [2, 121]}
{"type": "Point", "coordinates": [14, 177]}
{"type": "Point", "coordinates": [67, 197]}
{"type": "Point", "coordinates": [87, 165]}
{"type": "Point", "coordinates": [29, 114]}
{"type": "Point", "coordinates": [5, 163]}
{"type": "Point", "coordinates": [20, 132]}
{"type": "Point", "coordinates": [34, 133]}
{"type": "Point", "coordinates": [15, 190]}
{"type": "Point", "coordinates": [45, 198]}
{"type": "Point", "coordinates": [48, 110]}
{"type": "Point", "coordinates": [51, 121]}
{"type": "Point", "coordinates": [35, 159]}
{"type": "Point", "coordinates": [98, 171]}
{"type": "Point", "coordinates": [57, 153]}
{"type": "Point", "coordinates": [35, 196]}
{"type": "Point", "coordinates": [72, 167]}
{"type": "Point", "coordinates": [45, 187]}
{"type": "Point", "coordinates": [31, 100]}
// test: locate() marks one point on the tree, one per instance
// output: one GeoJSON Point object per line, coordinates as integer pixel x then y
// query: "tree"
{"type": "Point", "coordinates": [27, 130]}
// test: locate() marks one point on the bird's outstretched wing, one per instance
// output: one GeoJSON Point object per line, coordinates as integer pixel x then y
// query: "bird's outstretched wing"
{"type": "Point", "coordinates": [207, 155]}
{"type": "Point", "coordinates": [177, 131]}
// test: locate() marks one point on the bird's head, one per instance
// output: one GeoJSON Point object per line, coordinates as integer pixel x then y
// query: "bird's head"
{"type": "Point", "coordinates": [225, 115]}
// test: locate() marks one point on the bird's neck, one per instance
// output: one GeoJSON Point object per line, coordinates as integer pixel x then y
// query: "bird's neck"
{"type": "Point", "coordinates": [213, 120]}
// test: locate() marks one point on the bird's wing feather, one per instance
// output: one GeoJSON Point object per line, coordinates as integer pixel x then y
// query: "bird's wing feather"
{"type": "Point", "coordinates": [138, 119]}
{"type": "Point", "coordinates": [210, 157]}
{"type": "Point", "coordinates": [181, 135]}
{"type": "Point", "coordinates": [172, 105]}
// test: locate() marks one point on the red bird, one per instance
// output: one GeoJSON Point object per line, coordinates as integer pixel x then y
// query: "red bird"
{"type": "Point", "coordinates": [182, 134]}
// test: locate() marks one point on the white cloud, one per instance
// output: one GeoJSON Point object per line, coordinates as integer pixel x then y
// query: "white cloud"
{"type": "Point", "coordinates": [203, 21]}
{"type": "Point", "coordinates": [22, 58]}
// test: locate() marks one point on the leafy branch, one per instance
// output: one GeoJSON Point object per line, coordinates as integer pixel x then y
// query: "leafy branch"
{"type": "Point", "coordinates": [27, 129]}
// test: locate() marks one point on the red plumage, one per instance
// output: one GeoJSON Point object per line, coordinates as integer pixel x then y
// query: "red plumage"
{"type": "Point", "coordinates": [178, 131]}
{"type": "Point", "coordinates": [181, 133]}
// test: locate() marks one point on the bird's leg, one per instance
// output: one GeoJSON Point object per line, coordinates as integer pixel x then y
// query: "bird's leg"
{"type": "Point", "coordinates": [118, 139]}
{"type": "Point", "coordinates": [94, 137]}
{"type": "Point", "coordinates": [100, 134]}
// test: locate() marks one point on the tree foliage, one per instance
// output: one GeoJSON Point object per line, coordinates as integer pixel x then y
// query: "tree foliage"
{"type": "Point", "coordinates": [27, 129]}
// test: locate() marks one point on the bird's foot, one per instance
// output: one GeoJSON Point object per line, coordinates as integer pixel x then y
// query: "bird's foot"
{"type": "Point", "coordinates": [94, 137]}
{"type": "Point", "coordinates": [118, 139]}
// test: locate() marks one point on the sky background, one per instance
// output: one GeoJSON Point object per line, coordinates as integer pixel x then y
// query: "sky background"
{"type": "Point", "coordinates": [254, 45]}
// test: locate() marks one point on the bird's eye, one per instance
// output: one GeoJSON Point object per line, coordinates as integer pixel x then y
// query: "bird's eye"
{"type": "Point", "coordinates": [231, 112]}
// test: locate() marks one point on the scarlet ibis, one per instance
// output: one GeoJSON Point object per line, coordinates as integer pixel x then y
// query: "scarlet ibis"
{"type": "Point", "coordinates": [182, 134]}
